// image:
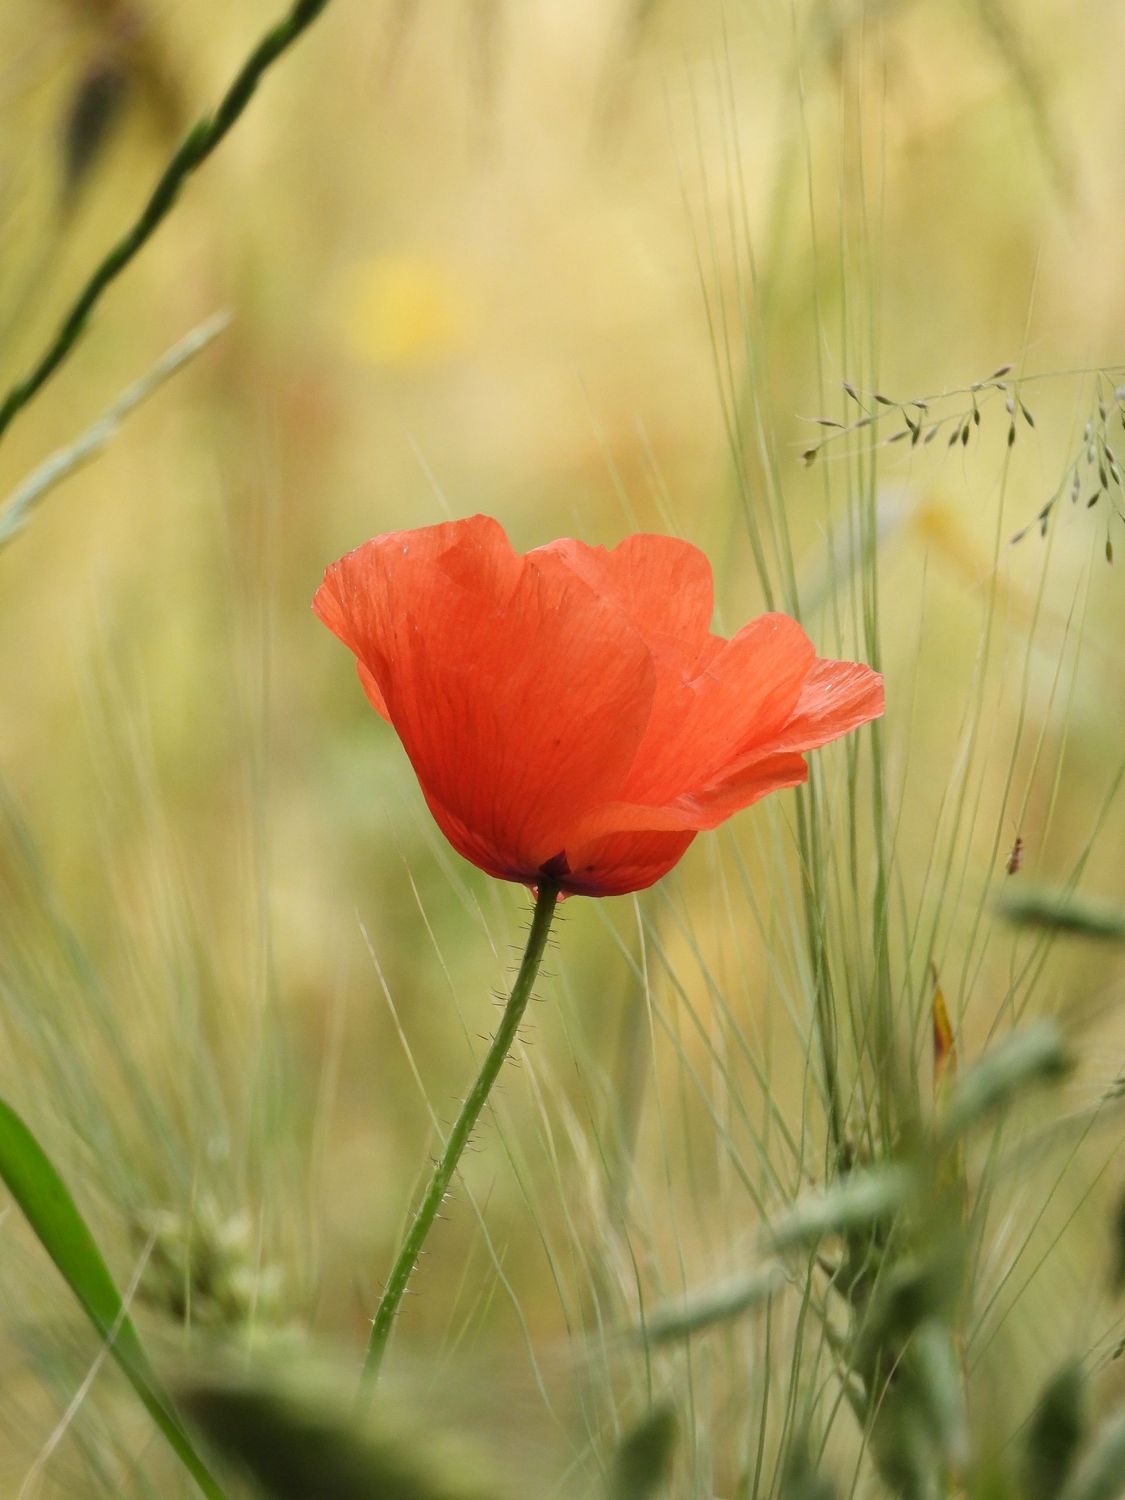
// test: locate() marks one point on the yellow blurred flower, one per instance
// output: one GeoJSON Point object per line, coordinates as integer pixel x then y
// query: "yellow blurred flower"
{"type": "Point", "coordinates": [404, 310]}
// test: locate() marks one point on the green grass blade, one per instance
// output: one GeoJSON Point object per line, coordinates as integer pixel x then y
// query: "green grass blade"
{"type": "Point", "coordinates": [61, 464]}
{"type": "Point", "coordinates": [60, 1228]}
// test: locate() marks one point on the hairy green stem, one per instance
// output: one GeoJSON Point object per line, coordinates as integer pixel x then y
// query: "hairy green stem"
{"type": "Point", "coordinates": [197, 145]}
{"type": "Point", "coordinates": [446, 1164]}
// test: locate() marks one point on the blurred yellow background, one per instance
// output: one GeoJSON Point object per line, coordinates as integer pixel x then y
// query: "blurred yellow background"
{"type": "Point", "coordinates": [514, 256]}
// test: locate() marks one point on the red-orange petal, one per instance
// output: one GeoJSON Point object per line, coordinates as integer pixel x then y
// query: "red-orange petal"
{"type": "Point", "coordinates": [662, 584]}
{"type": "Point", "coordinates": [569, 712]}
{"type": "Point", "coordinates": [747, 785]}
{"type": "Point", "coordinates": [747, 691]}
{"type": "Point", "coordinates": [624, 861]}
{"type": "Point", "coordinates": [837, 697]}
{"type": "Point", "coordinates": [703, 807]}
{"type": "Point", "coordinates": [373, 690]}
{"type": "Point", "coordinates": [520, 695]}
{"type": "Point", "coordinates": [833, 698]}
{"type": "Point", "coordinates": [365, 585]}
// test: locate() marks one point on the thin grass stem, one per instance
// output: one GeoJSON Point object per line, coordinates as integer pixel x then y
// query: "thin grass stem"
{"type": "Point", "coordinates": [463, 1126]}
{"type": "Point", "coordinates": [192, 152]}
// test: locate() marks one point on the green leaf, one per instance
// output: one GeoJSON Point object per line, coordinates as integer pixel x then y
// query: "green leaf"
{"type": "Point", "coordinates": [52, 1213]}
{"type": "Point", "coordinates": [937, 1374]}
{"type": "Point", "coordinates": [1055, 1434]}
{"type": "Point", "coordinates": [644, 1458]}
{"type": "Point", "coordinates": [909, 1294]}
{"type": "Point", "coordinates": [1062, 911]}
{"type": "Point", "coordinates": [863, 1198]}
{"type": "Point", "coordinates": [717, 1304]}
{"type": "Point", "coordinates": [799, 1477]}
{"type": "Point", "coordinates": [1034, 1055]}
{"type": "Point", "coordinates": [296, 1448]}
{"type": "Point", "coordinates": [1101, 1473]}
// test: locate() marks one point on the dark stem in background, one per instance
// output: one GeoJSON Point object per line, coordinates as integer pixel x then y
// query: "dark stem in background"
{"type": "Point", "coordinates": [197, 146]}
{"type": "Point", "coordinates": [446, 1166]}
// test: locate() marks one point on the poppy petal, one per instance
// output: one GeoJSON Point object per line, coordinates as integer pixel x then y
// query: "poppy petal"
{"type": "Point", "coordinates": [742, 788]}
{"type": "Point", "coordinates": [748, 690]}
{"type": "Point", "coordinates": [663, 584]}
{"type": "Point", "coordinates": [519, 694]}
{"type": "Point", "coordinates": [569, 713]}
{"type": "Point", "coordinates": [697, 810]}
{"type": "Point", "coordinates": [838, 696]}
{"type": "Point", "coordinates": [623, 862]}
{"type": "Point", "coordinates": [359, 590]}
{"type": "Point", "coordinates": [373, 690]}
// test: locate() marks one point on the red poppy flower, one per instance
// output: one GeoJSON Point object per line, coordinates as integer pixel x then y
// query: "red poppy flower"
{"type": "Point", "coordinates": [569, 713]}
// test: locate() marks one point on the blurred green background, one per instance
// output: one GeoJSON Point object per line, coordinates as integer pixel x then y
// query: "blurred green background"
{"type": "Point", "coordinates": [539, 259]}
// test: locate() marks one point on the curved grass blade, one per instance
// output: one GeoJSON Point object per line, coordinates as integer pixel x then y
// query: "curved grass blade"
{"type": "Point", "coordinates": [60, 1228]}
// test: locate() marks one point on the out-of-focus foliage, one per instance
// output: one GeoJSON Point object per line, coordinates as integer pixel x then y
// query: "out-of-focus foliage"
{"type": "Point", "coordinates": [296, 1446]}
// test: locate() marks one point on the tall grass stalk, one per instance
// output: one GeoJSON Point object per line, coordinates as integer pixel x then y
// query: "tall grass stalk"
{"type": "Point", "coordinates": [463, 1126]}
